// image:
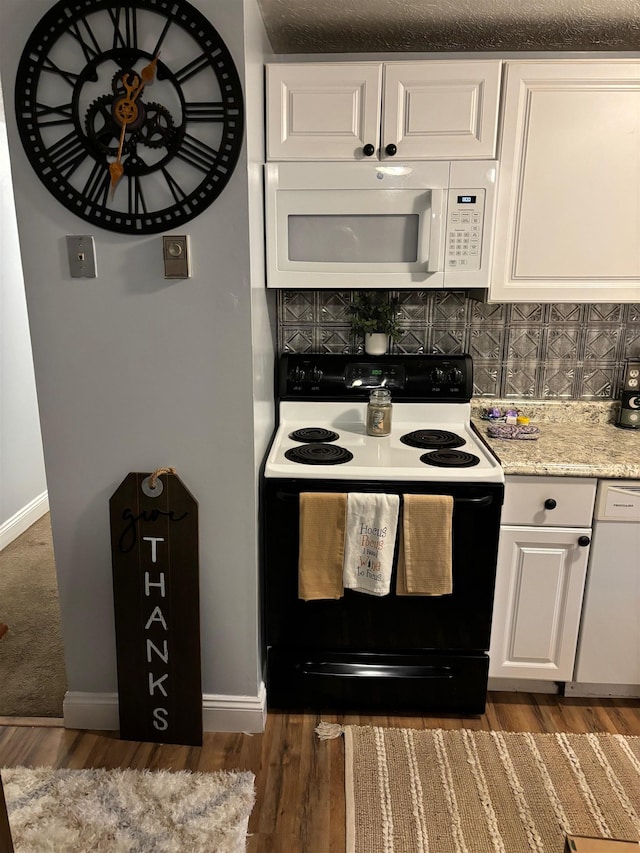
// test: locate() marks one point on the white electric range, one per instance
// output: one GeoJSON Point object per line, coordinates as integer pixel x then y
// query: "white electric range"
{"type": "Point", "coordinates": [361, 652]}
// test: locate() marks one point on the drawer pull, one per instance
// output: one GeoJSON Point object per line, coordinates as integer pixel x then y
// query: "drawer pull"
{"type": "Point", "coordinates": [550, 503]}
{"type": "Point", "coordinates": [583, 541]}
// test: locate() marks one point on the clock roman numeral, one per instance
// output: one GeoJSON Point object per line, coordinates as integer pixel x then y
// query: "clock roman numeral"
{"type": "Point", "coordinates": [156, 49]}
{"type": "Point", "coordinates": [69, 76]}
{"type": "Point", "coordinates": [97, 187]}
{"type": "Point", "coordinates": [67, 154]}
{"type": "Point", "coordinates": [194, 67]}
{"type": "Point", "coordinates": [125, 28]}
{"type": "Point", "coordinates": [89, 44]}
{"type": "Point", "coordinates": [45, 115]}
{"type": "Point", "coordinates": [204, 111]}
{"type": "Point", "coordinates": [174, 186]}
{"type": "Point", "coordinates": [197, 153]}
{"type": "Point", "coordinates": [137, 203]}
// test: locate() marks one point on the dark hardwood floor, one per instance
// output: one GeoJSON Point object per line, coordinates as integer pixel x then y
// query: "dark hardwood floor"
{"type": "Point", "coordinates": [299, 778]}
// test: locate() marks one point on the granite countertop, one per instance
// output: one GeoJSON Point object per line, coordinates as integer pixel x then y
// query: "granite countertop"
{"type": "Point", "coordinates": [577, 439]}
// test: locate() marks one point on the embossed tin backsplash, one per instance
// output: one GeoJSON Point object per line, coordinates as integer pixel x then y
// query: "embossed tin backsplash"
{"type": "Point", "coordinates": [558, 350]}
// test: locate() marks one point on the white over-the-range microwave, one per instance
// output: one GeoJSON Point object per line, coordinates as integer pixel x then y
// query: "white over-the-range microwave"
{"type": "Point", "coordinates": [380, 225]}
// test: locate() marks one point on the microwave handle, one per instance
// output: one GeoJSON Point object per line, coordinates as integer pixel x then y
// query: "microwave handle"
{"type": "Point", "coordinates": [436, 230]}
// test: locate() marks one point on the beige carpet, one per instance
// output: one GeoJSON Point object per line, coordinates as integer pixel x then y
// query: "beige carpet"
{"type": "Point", "coordinates": [32, 674]}
{"type": "Point", "coordinates": [128, 811]}
{"type": "Point", "coordinates": [466, 791]}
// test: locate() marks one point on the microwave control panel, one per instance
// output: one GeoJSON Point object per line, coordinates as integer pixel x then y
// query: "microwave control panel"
{"type": "Point", "coordinates": [465, 215]}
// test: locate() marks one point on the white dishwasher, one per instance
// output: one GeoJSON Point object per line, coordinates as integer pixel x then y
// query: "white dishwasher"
{"type": "Point", "coordinates": [608, 660]}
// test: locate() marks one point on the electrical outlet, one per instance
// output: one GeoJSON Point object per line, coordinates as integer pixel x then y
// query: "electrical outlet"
{"type": "Point", "coordinates": [82, 256]}
{"type": "Point", "coordinates": [177, 262]}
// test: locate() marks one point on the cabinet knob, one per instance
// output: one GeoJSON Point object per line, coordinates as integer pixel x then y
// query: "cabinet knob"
{"type": "Point", "coordinates": [368, 150]}
{"type": "Point", "coordinates": [391, 149]}
{"type": "Point", "coordinates": [550, 503]}
{"type": "Point", "coordinates": [583, 541]}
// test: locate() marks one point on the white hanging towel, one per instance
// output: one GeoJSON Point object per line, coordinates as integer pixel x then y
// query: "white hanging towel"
{"type": "Point", "coordinates": [370, 537]}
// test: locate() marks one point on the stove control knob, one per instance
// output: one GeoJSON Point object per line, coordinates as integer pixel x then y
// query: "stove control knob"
{"type": "Point", "coordinates": [316, 374]}
{"type": "Point", "coordinates": [297, 374]}
{"type": "Point", "coordinates": [436, 376]}
{"type": "Point", "coordinates": [455, 376]}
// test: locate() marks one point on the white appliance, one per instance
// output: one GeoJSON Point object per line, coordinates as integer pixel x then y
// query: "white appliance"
{"type": "Point", "coordinates": [375, 225]}
{"type": "Point", "coordinates": [608, 661]}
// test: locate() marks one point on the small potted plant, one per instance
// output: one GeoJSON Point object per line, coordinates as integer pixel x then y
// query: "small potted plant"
{"type": "Point", "coordinates": [374, 315]}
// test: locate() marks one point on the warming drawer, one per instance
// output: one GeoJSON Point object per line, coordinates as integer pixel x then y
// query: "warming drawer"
{"type": "Point", "coordinates": [351, 681]}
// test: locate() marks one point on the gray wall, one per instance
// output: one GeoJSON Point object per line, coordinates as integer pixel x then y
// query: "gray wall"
{"type": "Point", "coordinates": [22, 475]}
{"type": "Point", "coordinates": [135, 372]}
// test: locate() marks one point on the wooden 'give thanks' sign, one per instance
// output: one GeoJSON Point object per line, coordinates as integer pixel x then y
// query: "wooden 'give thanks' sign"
{"type": "Point", "coordinates": [154, 550]}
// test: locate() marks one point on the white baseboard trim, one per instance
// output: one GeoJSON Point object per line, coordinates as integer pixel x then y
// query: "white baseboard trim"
{"type": "Point", "coordinates": [220, 713]}
{"type": "Point", "coordinates": [91, 711]}
{"type": "Point", "coordinates": [235, 713]}
{"type": "Point", "coordinates": [23, 519]}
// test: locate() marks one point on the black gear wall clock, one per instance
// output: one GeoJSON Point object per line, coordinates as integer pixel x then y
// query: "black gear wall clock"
{"type": "Point", "coordinates": [130, 113]}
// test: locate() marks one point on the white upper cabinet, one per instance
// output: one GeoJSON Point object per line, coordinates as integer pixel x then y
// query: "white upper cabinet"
{"type": "Point", "coordinates": [434, 109]}
{"type": "Point", "coordinates": [441, 110]}
{"type": "Point", "coordinates": [322, 111]}
{"type": "Point", "coordinates": [568, 212]}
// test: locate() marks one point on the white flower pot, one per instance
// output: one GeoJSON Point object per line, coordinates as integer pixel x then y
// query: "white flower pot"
{"type": "Point", "coordinates": [376, 343]}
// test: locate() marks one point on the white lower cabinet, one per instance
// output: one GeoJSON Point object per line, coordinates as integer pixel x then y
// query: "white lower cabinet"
{"type": "Point", "coordinates": [540, 577]}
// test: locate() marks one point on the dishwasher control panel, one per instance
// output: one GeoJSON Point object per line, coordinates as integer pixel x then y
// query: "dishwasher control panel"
{"type": "Point", "coordinates": [618, 500]}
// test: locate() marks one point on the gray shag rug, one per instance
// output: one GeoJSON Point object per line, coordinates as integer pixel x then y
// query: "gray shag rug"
{"type": "Point", "coordinates": [128, 811]}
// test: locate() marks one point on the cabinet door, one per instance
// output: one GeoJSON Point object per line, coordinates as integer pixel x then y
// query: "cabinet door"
{"type": "Point", "coordinates": [441, 110]}
{"type": "Point", "coordinates": [568, 214]}
{"type": "Point", "coordinates": [323, 111]}
{"type": "Point", "coordinates": [538, 598]}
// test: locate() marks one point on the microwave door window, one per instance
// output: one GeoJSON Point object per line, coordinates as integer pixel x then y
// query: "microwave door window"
{"type": "Point", "coordinates": [354, 238]}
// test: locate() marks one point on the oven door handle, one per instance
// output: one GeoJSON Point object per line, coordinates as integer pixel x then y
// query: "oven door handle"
{"type": "Point", "coordinates": [485, 500]}
{"type": "Point", "coordinates": [372, 670]}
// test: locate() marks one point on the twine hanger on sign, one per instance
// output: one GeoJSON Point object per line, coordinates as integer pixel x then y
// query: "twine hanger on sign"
{"type": "Point", "coordinates": [152, 486]}
{"type": "Point", "coordinates": [153, 479]}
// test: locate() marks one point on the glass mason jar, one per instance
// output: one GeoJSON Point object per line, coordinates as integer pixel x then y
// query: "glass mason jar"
{"type": "Point", "coordinates": [379, 412]}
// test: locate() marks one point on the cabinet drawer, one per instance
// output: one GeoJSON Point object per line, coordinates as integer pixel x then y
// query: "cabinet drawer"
{"type": "Point", "coordinates": [549, 501]}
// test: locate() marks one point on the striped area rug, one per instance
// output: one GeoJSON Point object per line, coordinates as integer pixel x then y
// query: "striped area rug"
{"type": "Point", "coordinates": [468, 791]}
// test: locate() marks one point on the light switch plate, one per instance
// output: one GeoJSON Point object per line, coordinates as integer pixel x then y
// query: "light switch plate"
{"type": "Point", "coordinates": [82, 256]}
{"type": "Point", "coordinates": [177, 260]}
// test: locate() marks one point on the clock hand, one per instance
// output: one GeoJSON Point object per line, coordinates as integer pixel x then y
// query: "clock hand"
{"type": "Point", "coordinates": [147, 75]}
{"type": "Point", "coordinates": [127, 104]}
{"type": "Point", "coordinates": [116, 168]}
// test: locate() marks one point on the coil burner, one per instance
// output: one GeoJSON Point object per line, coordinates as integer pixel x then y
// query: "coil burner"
{"type": "Point", "coordinates": [314, 434]}
{"type": "Point", "coordinates": [447, 458]}
{"type": "Point", "coordinates": [319, 454]}
{"type": "Point", "coordinates": [438, 438]}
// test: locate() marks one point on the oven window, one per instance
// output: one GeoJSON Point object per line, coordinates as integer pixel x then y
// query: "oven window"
{"type": "Point", "coordinates": [356, 238]}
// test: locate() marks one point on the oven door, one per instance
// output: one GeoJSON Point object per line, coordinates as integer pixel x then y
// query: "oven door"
{"type": "Point", "coordinates": [381, 652]}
